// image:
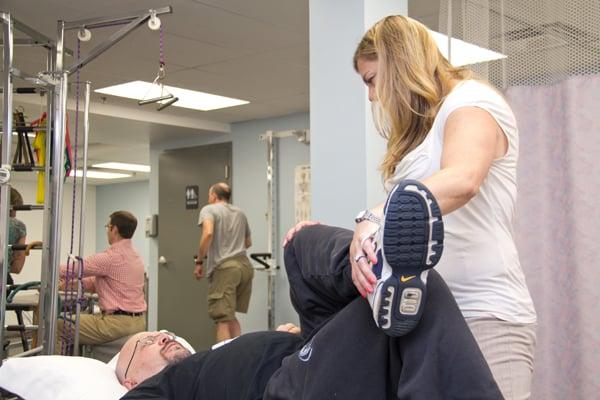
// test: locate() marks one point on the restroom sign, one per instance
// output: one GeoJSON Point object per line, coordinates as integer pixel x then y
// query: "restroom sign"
{"type": "Point", "coordinates": [191, 197]}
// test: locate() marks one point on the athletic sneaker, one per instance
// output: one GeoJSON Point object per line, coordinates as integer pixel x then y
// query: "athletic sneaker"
{"type": "Point", "coordinates": [409, 243]}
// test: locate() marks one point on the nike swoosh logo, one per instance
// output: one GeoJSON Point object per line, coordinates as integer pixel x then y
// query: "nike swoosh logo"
{"type": "Point", "coordinates": [404, 279]}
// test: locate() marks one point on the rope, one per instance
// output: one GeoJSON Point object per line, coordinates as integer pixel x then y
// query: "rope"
{"type": "Point", "coordinates": [77, 86]}
{"type": "Point", "coordinates": [161, 53]}
{"type": "Point", "coordinates": [161, 61]}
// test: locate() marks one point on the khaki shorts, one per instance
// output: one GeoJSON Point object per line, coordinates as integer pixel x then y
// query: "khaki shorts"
{"type": "Point", "coordinates": [229, 289]}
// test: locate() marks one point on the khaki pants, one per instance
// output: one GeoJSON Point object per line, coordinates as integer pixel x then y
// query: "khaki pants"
{"type": "Point", "coordinates": [102, 328]}
{"type": "Point", "coordinates": [509, 350]}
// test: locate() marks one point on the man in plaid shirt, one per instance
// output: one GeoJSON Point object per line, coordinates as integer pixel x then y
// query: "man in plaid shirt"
{"type": "Point", "coordinates": [117, 275]}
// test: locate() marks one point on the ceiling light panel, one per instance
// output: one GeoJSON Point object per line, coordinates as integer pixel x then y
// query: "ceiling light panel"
{"type": "Point", "coordinates": [464, 53]}
{"type": "Point", "coordinates": [140, 90]}
{"type": "Point", "coordinates": [101, 174]}
{"type": "Point", "coordinates": [123, 166]}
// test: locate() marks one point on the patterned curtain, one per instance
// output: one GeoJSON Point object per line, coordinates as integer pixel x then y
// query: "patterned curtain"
{"type": "Point", "coordinates": [558, 230]}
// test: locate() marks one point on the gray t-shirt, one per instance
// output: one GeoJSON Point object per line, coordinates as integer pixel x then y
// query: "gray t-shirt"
{"type": "Point", "coordinates": [230, 232]}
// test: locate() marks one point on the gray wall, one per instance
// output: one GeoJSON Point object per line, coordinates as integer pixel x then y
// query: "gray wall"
{"type": "Point", "coordinates": [250, 193]}
{"type": "Point", "coordinates": [132, 197]}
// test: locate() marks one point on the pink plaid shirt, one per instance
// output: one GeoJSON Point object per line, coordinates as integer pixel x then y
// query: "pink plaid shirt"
{"type": "Point", "coordinates": [117, 275]}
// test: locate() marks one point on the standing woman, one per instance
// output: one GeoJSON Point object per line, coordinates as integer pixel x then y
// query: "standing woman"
{"type": "Point", "coordinates": [459, 137]}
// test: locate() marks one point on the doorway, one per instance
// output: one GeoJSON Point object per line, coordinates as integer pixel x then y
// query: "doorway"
{"type": "Point", "coordinates": [182, 300]}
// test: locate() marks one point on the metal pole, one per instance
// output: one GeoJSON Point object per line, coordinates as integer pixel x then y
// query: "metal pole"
{"type": "Point", "coordinates": [60, 47]}
{"type": "Point", "coordinates": [124, 18]}
{"type": "Point", "coordinates": [272, 215]}
{"type": "Point", "coordinates": [45, 290]}
{"type": "Point", "coordinates": [35, 38]}
{"type": "Point", "coordinates": [102, 47]}
{"type": "Point", "coordinates": [86, 129]}
{"type": "Point", "coordinates": [29, 352]}
{"type": "Point", "coordinates": [275, 232]}
{"type": "Point", "coordinates": [38, 37]}
{"type": "Point", "coordinates": [35, 80]}
{"type": "Point", "coordinates": [86, 133]}
{"type": "Point", "coordinates": [271, 297]}
{"type": "Point", "coordinates": [57, 161]}
{"type": "Point", "coordinates": [449, 31]}
{"type": "Point", "coordinates": [270, 157]}
{"type": "Point", "coordinates": [271, 226]}
{"type": "Point", "coordinates": [7, 31]}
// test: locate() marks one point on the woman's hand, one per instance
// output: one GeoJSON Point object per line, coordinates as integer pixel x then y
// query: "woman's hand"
{"type": "Point", "coordinates": [362, 257]}
{"type": "Point", "coordinates": [302, 224]}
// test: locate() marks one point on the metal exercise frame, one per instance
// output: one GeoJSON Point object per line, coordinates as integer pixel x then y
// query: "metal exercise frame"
{"type": "Point", "coordinates": [10, 72]}
{"type": "Point", "coordinates": [54, 81]}
{"type": "Point", "coordinates": [272, 139]}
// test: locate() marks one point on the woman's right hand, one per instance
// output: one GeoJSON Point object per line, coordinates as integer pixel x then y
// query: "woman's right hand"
{"type": "Point", "coordinates": [302, 224]}
{"type": "Point", "coordinates": [362, 257]}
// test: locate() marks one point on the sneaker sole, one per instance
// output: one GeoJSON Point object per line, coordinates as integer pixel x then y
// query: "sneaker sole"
{"type": "Point", "coordinates": [413, 235]}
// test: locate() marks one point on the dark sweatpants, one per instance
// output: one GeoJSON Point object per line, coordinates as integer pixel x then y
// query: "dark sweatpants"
{"type": "Point", "coordinates": [344, 355]}
{"type": "Point", "coordinates": [347, 357]}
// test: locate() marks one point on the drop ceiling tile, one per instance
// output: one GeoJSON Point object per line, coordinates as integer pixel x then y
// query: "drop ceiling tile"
{"type": "Point", "coordinates": [286, 14]}
{"type": "Point", "coordinates": [225, 29]}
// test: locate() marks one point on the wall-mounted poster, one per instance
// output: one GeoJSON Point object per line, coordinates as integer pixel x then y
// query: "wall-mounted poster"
{"type": "Point", "coordinates": [302, 192]}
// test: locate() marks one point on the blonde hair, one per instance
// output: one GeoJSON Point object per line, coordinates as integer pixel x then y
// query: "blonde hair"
{"type": "Point", "coordinates": [413, 78]}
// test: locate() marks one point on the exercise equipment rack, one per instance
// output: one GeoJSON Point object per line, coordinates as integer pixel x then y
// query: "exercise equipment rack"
{"type": "Point", "coordinates": [53, 82]}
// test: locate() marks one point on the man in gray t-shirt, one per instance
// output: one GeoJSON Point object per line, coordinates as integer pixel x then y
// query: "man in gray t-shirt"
{"type": "Point", "coordinates": [224, 240]}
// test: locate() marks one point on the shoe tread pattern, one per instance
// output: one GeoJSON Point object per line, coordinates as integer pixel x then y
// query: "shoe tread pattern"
{"type": "Point", "coordinates": [406, 241]}
{"type": "Point", "coordinates": [406, 233]}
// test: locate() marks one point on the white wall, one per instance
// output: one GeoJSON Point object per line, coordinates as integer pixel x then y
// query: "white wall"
{"type": "Point", "coordinates": [337, 101]}
{"type": "Point", "coordinates": [250, 193]}
{"type": "Point", "coordinates": [345, 149]}
{"type": "Point", "coordinates": [132, 197]}
{"type": "Point", "coordinates": [33, 220]}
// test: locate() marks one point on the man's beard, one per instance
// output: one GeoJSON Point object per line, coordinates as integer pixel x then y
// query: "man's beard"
{"type": "Point", "coordinates": [174, 358]}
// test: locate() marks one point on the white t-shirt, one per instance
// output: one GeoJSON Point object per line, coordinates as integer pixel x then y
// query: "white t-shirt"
{"type": "Point", "coordinates": [480, 263]}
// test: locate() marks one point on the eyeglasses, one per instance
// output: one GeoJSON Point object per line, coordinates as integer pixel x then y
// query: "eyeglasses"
{"type": "Point", "coordinates": [147, 341]}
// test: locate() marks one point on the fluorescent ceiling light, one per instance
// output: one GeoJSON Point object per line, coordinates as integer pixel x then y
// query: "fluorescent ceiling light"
{"type": "Point", "coordinates": [464, 53]}
{"type": "Point", "coordinates": [101, 174]}
{"type": "Point", "coordinates": [140, 90]}
{"type": "Point", "coordinates": [123, 166]}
